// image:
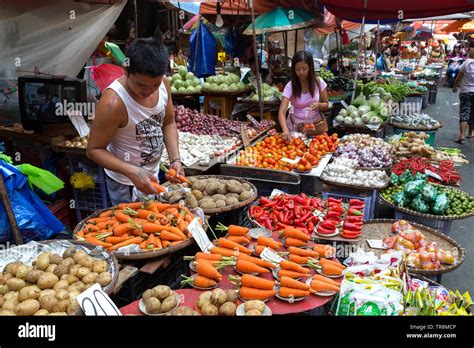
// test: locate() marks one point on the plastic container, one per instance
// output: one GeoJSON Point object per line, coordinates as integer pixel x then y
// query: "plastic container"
{"type": "Point", "coordinates": [369, 202]}
{"type": "Point", "coordinates": [82, 164]}
{"type": "Point", "coordinates": [430, 140]}
{"type": "Point", "coordinates": [440, 225]}
{"type": "Point", "coordinates": [424, 100]}
{"type": "Point", "coordinates": [432, 97]}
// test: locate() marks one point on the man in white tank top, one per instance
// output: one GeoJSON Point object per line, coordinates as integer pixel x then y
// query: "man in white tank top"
{"type": "Point", "coordinates": [134, 121]}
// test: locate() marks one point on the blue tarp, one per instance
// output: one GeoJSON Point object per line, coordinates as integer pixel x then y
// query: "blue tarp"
{"type": "Point", "coordinates": [202, 61]}
{"type": "Point", "coordinates": [34, 219]}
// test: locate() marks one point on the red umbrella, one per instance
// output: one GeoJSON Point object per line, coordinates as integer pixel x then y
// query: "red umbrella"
{"type": "Point", "coordinates": [384, 10]}
{"type": "Point", "coordinates": [105, 74]}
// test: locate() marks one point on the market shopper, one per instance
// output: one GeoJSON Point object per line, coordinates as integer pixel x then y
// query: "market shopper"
{"type": "Point", "coordinates": [465, 80]}
{"type": "Point", "coordinates": [134, 121]}
{"type": "Point", "coordinates": [307, 94]}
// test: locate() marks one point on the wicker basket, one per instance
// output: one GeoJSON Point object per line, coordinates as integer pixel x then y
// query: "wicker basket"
{"type": "Point", "coordinates": [381, 228]}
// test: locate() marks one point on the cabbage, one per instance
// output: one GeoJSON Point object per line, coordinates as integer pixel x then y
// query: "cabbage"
{"type": "Point", "coordinates": [359, 100]}
{"type": "Point", "coordinates": [224, 87]}
{"type": "Point", "coordinates": [219, 79]}
{"type": "Point", "coordinates": [364, 109]}
{"type": "Point", "coordinates": [241, 85]}
{"type": "Point", "coordinates": [374, 103]}
{"type": "Point", "coordinates": [173, 89]}
{"type": "Point", "coordinates": [348, 120]}
{"type": "Point", "coordinates": [233, 78]}
{"type": "Point", "coordinates": [182, 71]}
{"type": "Point", "coordinates": [233, 87]}
{"type": "Point", "coordinates": [195, 82]}
{"type": "Point", "coordinates": [181, 90]}
{"type": "Point", "coordinates": [189, 76]}
{"type": "Point", "coordinates": [228, 80]}
{"type": "Point", "coordinates": [340, 118]}
{"type": "Point", "coordinates": [351, 109]}
{"type": "Point", "coordinates": [384, 112]}
{"type": "Point", "coordinates": [343, 112]}
{"type": "Point", "coordinates": [191, 89]}
{"type": "Point", "coordinates": [255, 97]}
{"type": "Point", "coordinates": [176, 77]}
{"type": "Point", "coordinates": [366, 117]}
{"type": "Point", "coordinates": [170, 79]}
{"type": "Point", "coordinates": [178, 84]}
{"type": "Point", "coordinates": [189, 83]}
{"type": "Point", "coordinates": [198, 88]}
{"type": "Point", "coordinates": [354, 114]}
{"type": "Point", "coordinates": [358, 121]}
{"type": "Point", "coordinates": [214, 87]}
{"type": "Point", "coordinates": [375, 120]}
{"type": "Point", "coordinates": [211, 79]}
{"type": "Point", "coordinates": [206, 86]}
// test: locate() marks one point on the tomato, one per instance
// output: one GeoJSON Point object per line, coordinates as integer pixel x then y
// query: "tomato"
{"type": "Point", "coordinates": [300, 167]}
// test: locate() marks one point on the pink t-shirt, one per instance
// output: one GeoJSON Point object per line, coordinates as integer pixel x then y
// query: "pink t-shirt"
{"type": "Point", "coordinates": [304, 101]}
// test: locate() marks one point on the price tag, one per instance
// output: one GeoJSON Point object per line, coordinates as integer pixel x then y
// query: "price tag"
{"type": "Point", "coordinates": [321, 166]}
{"type": "Point", "coordinates": [376, 244]}
{"type": "Point", "coordinates": [270, 256]}
{"type": "Point", "coordinates": [289, 160]}
{"type": "Point", "coordinates": [236, 61]}
{"type": "Point", "coordinates": [245, 139]}
{"type": "Point", "coordinates": [433, 175]}
{"type": "Point", "coordinates": [187, 159]}
{"type": "Point", "coordinates": [79, 123]}
{"type": "Point", "coordinates": [94, 301]}
{"type": "Point", "coordinates": [200, 235]}
{"type": "Point", "coordinates": [276, 192]}
{"type": "Point", "coordinates": [253, 120]}
{"type": "Point", "coordinates": [344, 104]}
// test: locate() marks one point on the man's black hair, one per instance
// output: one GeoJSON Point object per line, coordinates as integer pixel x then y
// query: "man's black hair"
{"type": "Point", "coordinates": [148, 56]}
{"type": "Point", "coordinates": [332, 60]}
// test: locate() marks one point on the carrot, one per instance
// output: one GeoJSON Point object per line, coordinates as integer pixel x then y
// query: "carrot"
{"type": "Point", "coordinates": [290, 292]}
{"type": "Point", "coordinates": [166, 243]}
{"type": "Point", "coordinates": [269, 242]}
{"type": "Point", "coordinates": [80, 234]}
{"type": "Point", "coordinates": [239, 239]}
{"type": "Point", "coordinates": [291, 232]}
{"type": "Point", "coordinates": [146, 214]}
{"type": "Point", "coordinates": [95, 241]}
{"type": "Point", "coordinates": [95, 221]}
{"type": "Point", "coordinates": [324, 250]}
{"type": "Point", "coordinates": [91, 228]}
{"type": "Point", "coordinates": [325, 279]}
{"type": "Point", "coordinates": [107, 213]}
{"type": "Point", "coordinates": [189, 217]}
{"type": "Point", "coordinates": [205, 256]}
{"type": "Point", "coordinates": [203, 282]}
{"type": "Point", "coordinates": [151, 239]}
{"type": "Point", "coordinates": [259, 248]}
{"type": "Point", "coordinates": [234, 230]}
{"type": "Point", "coordinates": [225, 243]}
{"type": "Point", "coordinates": [115, 240]}
{"type": "Point", "coordinates": [302, 260]}
{"type": "Point", "coordinates": [105, 224]}
{"type": "Point", "coordinates": [165, 235]}
{"type": "Point", "coordinates": [159, 244]}
{"type": "Point", "coordinates": [257, 261]}
{"type": "Point", "coordinates": [331, 269]}
{"type": "Point", "coordinates": [323, 261]}
{"type": "Point", "coordinates": [151, 206]}
{"type": "Point", "coordinates": [122, 229]}
{"type": "Point", "coordinates": [252, 281]}
{"type": "Point", "coordinates": [150, 227]}
{"type": "Point", "coordinates": [132, 240]}
{"type": "Point", "coordinates": [303, 252]}
{"type": "Point", "coordinates": [183, 225]}
{"type": "Point", "coordinates": [161, 207]}
{"type": "Point", "coordinates": [176, 242]}
{"type": "Point", "coordinates": [293, 267]}
{"type": "Point", "coordinates": [121, 217]}
{"type": "Point", "coordinates": [177, 232]}
{"type": "Point", "coordinates": [247, 293]}
{"type": "Point", "coordinates": [224, 251]}
{"type": "Point", "coordinates": [290, 241]}
{"type": "Point", "coordinates": [323, 286]}
{"type": "Point", "coordinates": [292, 283]}
{"type": "Point", "coordinates": [245, 266]}
{"type": "Point", "coordinates": [144, 245]}
{"type": "Point", "coordinates": [133, 206]}
{"type": "Point", "coordinates": [172, 172]}
{"type": "Point", "coordinates": [291, 274]}
{"type": "Point", "coordinates": [205, 268]}
{"type": "Point", "coordinates": [158, 188]}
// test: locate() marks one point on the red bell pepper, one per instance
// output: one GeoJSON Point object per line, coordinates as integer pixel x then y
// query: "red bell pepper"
{"type": "Point", "coordinates": [329, 225]}
{"type": "Point", "coordinates": [336, 208]}
{"type": "Point", "coordinates": [352, 226]}
{"type": "Point", "coordinates": [348, 235]}
{"type": "Point", "coordinates": [264, 201]}
{"type": "Point", "coordinates": [322, 230]}
{"type": "Point", "coordinates": [353, 218]}
{"type": "Point", "coordinates": [304, 217]}
{"type": "Point", "coordinates": [354, 212]}
{"type": "Point", "coordinates": [279, 215]}
{"type": "Point", "coordinates": [357, 207]}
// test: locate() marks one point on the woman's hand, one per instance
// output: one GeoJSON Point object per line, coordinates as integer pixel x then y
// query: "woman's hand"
{"type": "Point", "coordinates": [315, 106]}
{"type": "Point", "coordinates": [142, 179]}
{"type": "Point", "coordinates": [286, 135]}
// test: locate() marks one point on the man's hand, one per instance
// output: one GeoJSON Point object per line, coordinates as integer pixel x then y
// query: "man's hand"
{"type": "Point", "coordinates": [142, 179]}
{"type": "Point", "coordinates": [178, 166]}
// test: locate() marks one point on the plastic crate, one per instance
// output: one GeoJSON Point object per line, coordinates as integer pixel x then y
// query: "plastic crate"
{"type": "Point", "coordinates": [440, 225]}
{"type": "Point", "coordinates": [368, 201]}
{"type": "Point", "coordinates": [92, 199]}
{"type": "Point", "coordinates": [82, 164]}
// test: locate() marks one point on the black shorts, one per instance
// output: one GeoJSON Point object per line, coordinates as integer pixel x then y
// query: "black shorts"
{"type": "Point", "coordinates": [466, 107]}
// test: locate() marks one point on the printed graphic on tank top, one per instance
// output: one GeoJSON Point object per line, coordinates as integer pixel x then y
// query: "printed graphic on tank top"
{"type": "Point", "coordinates": [150, 135]}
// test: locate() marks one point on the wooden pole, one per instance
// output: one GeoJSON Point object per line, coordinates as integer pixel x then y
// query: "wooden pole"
{"type": "Point", "coordinates": [10, 214]}
{"type": "Point", "coordinates": [257, 65]}
{"type": "Point", "coordinates": [356, 75]}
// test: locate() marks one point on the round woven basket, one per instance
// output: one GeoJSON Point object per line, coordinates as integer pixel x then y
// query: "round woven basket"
{"type": "Point", "coordinates": [411, 128]}
{"type": "Point", "coordinates": [231, 207]}
{"type": "Point", "coordinates": [133, 256]}
{"type": "Point", "coordinates": [381, 228]}
{"type": "Point", "coordinates": [426, 216]}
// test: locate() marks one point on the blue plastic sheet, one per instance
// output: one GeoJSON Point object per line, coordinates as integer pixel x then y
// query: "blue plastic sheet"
{"type": "Point", "coordinates": [34, 219]}
{"type": "Point", "coordinates": [202, 61]}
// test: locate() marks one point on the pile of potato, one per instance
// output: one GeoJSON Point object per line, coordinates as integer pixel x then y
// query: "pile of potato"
{"type": "Point", "coordinates": [77, 141]}
{"type": "Point", "coordinates": [50, 286]}
{"type": "Point", "coordinates": [210, 193]}
{"type": "Point", "coordinates": [254, 307]}
{"type": "Point", "coordinates": [160, 299]}
{"type": "Point", "coordinates": [413, 145]}
{"type": "Point", "coordinates": [217, 302]}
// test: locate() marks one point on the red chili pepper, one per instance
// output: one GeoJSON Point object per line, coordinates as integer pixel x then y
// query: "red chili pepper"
{"type": "Point", "coordinates": [299, 200]}
{"type": "Point", "coordinates": [352, 226]}
{"type": "Point", "coordinates": [329, 225]}
{"type": "Point", "coordinates": [310, 226]}
{"type": "Point", "coordinates": [356, 202]}
{"type": "Point", "coordinates": [322, 230]}
{"type": "Point", "coordinates": [264, 201]}
{"type": "Point", "coordinates": [354, 212]}
{"type": "Point", "coordinates": [314, 219]}
{"type": "Point", "coordinates": [334, 200]}
{"type": "Point", "coordinates": [353, 218]}
{"type": "Point", "coordinates": [334, 214]}
{"type": "Point", "coordinates": [290, 205]}
{"type": "Point", "coordinates": [315, 202]}
{"type": "Point", "coordinates": [279, 216]}
{"type": "Point", "coordinates": [338, 209]}
{"type": "Point", "coordinates": [305, 217]}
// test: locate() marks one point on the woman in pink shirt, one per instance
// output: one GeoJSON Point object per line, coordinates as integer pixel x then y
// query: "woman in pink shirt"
{"type": "Point", "coordinates": [306, 92]}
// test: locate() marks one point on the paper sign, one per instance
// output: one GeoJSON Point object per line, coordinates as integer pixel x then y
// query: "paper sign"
{"type": "Point", "coordinates": [289, 160]}
{"type": "Point", "coordinates": [433, 175]}
{"type": "Point", "coordinates": [270, 256]}
{"type": "Point", "coordinates": [344, 104]}
{"type": "Point", "coordinates": [321, 166]}
{"type": "Point", "coordinates": [376, 244]}
{"type": "Point", "coordinates": [79, 123]}
{"type": "Point", "coordinates": [187, 159]}
{"type": "Point", "coordinates": [200, 235]}
{"type": "Point", "coordinates": [253, 120]}
{"type": "Point", "coordinates": [245, 139]}
{"type": "Point", "coordinates": [94, 301]}
{"type": "Point", "coordinates": [276, 192]}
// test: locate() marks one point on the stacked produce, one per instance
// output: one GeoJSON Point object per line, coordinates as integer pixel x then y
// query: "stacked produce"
{"type": "Point", "coordinates": [338, 87]}
{"type": "Point", "coordinates": [209, 193]}
{"type": "Point", "coordinates": [367, 157]}
{"type": "Point", "coordinates": [160, 300]}
{"type": "Point", "coordinates": [184, 82]}
{"type": "Point", "coordinates": [421, 252]}
{"type": "Point", "coordinates": [217, 302]}
{"type": "Point", "coordinates": [325, 74]}
{"type": "Point", "coordinates": [51, 284]}
{"type": "Point", "coordinates": [224, 84]}
{"type": "Point", "coordinates": [342, 170]}
{"type": "Point", "coordinates": [270, 93]}
{"type": "Point", "coordinates": [77, 141]}
{"type": "Point", "coordinates": [415, 120]}
{"type": "Point", "coordinates": [362, 112]}
{"type": "Point", "coordinates": [147, 226]}
{"type": "Point", "coordinates": [412, 144]}
{"type": "Point", "coordinates": [395, 90]}
{"type": "Point", "coordinates": [445, 170]}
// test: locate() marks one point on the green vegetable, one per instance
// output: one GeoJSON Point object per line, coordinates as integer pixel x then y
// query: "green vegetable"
{"type": "Point", "coordinates": [441, 204]}
{"type": "Point", "coordinates": [419, 204]}
{"type": "Point", "coordinates": [429, 193]}
{"type": "Point", "coordinates": [401, 199]}
{"type": "Point", "coordinates": [413, 188]}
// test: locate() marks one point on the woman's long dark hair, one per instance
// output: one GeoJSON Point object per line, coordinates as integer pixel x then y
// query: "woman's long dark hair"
{"type": "Point", "coordinates": [307, 57]}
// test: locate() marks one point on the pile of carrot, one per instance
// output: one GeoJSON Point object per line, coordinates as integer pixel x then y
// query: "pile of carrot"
{"type": "Point", "coordinates": [151, 225]}
{"type": "Point", "coordinates": [294, 237]}
{"type": "Point", "coordinates": [324, 250]}
{"type": "Point", "coordinates": [254, 288]}
{"type": "Point", "coordinates": [237, 234]}
{"type": "Point", "coordinates": [290, 287]}
{"type": "Point", "coordinates": [292, 270]}
{"type": "Point", "coordinates": [331, 267]}
{"type": "Point", "coordinates": [323, 284]}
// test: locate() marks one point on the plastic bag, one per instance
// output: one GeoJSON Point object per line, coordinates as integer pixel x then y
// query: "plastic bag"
{"type": "Point", "coordinates": [420, 176]}
{"type": "Point", "coordinates": [429, 193]}
{"type": "Point", "coordinates": [441, 204]}
{"type": "Point", "coordinates": [413, 188]}
{"type": "Point", "coordinates": [406, 177]}
{"type": "Point", "coordinates": [401, 199]}
{"type": "Point", "coordinates": [394, 179]}
{"type": "Point", "coordinates": [419, 204]}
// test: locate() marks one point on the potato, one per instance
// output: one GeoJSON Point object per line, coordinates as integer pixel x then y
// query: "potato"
{"type": "Point", "coordinates": [77, 286]}
{"type": "Point", "coordinates": [104, 279]}
{"type": "Point", "coordinates": [62, 284]}
{"type": "Point", "coordinates": [191, 201]}
{"type": "Point", "coordinates": [61, 270]}
{"type": "Point", "coordinates": [82, 272]}
{"type": "Point", "coordinates": [47, 280]}
{"type": "Point", "coordinates": [231, 201]}
{"type": "Point", "coordinates": [100, 266]}
{"type": "Point", "coordinates": [73, 307]}
{"type": "Point", "coordinates": [12, 267]}
{"type": "Point", "coordinates": [221, 189]}
{"type": "Point", "coordinates": [58, 313]}
{"type": "Point", "coordinates": [167, 196]}
{"type": "Point", "coordinates": [169, 303]}
{"type": "Point", "coordinates": [245, 195]}
{"type": "Point", "coordinates": [43, 261]}
{"type": "Point", "coordinates": [87, 262]}
{"type": "Point", "coordinates": [11, 295]}
{"type": "Point", "coordinates": [3, 279]}
{"type": "Point", "coordinates": [183, 311]}
{"type": "Point", "coordinates": [231, 295]}
{"type": "Point", "coordinates": [61, 306]}
{"type": "Point", "coordinates": [232, 195]}
{"type": "Point", "coordinates": [41, 312]}
{"type": "Point", "coordinates": [234, 186]}
{"type": "Point", "coordinates": [69, 252]}
{"type": "Point", "coordinates": [227, 309]}
{"type": "Point", "coordinates": [199, 185]}
{"type": "Point", "coordinates": [203, 298]}
{"type": "Point", "coordinates": [211, 188]}
{"type": "Point", "coordinates": [78, 255]}
{"type": "Point", "coordinates": [220, 204]}
{"type": "Point", "coordinates": [8, 276]}
{"type": "Point", "coordinates": [4, 289]}
{"type": "Point", "coordinates": [218, 297]}
{"type": "Point", "coordinates": [70, 278]}
{"type": "Point", "coordinates": [22, 271]}
{"type": "Point", "coordinates": [73, 270]}
{"type": "Point", "coordinates": [255, 305]}
{"type": "Point", "coordinates": [67, 262]}
{"type": "Point", "coordinates": [10, 305]}
{"type": "Point", "coordinates": [33, 276]}
{"type": "Point", "coordinates": [5, 312]}
{"type": "Point", "coordinates": [55, 259]}
{"type": "Point", "coordinates": [176, 197]}
{"type": "Point", "coordinates": [247, 187]}
{"type": "Point", "coordinates": [161, 292]}
{"type": "Point", "coordinates": [47, 292]}
{"type": "Point", "coordinates": [28, 307]}
{"type": "Point", "coordinates": [51, 268]}
{"type": "Point", "coordinates": [218, 197]}
{"type": "Point", "coordinates": [87, 286]}
{"type": "Point", "coordinates": [29, 292]}
{"type": "Point", "coordinates": [153, 305]}
{"type": "Point", "coordinates": [197, 194]}
{"type": "Point", "coordinates": [208, 309]}
{"type": "Point", "coordinates": [207, 205]}
{"type": "Point", "coordinates": [90, 278]}
{"type": "Point", "coordinates": [62, 294]}
{"type": "Point", "coordinates": [253, 312]}
{"type": "Point", "coordinates": [16, 284]}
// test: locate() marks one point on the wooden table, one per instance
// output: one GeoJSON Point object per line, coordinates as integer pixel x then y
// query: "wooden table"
{"type": "Point", "coordinates": [226, 101]}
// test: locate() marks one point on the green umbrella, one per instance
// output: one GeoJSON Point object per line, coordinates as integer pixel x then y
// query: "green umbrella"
{"type": "Point", "coordinates": [282, 19]}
